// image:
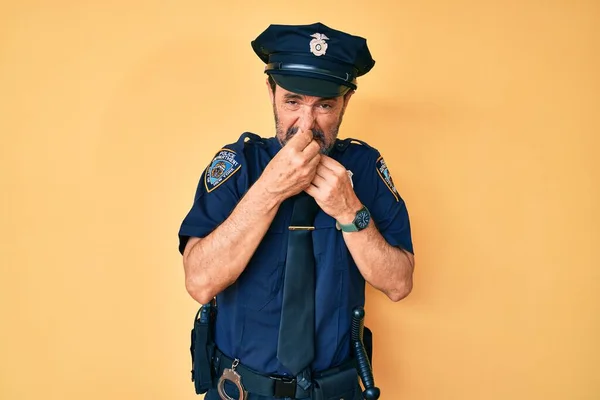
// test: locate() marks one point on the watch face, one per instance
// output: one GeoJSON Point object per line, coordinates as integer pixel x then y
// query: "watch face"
{"type": "Point", "coordinates": [362, 219]}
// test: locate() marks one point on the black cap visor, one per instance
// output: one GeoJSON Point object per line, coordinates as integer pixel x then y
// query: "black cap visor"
{"type": "Point", "coordinates": [310, 86]}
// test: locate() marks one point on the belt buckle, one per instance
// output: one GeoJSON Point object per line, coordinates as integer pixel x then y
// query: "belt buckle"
{"type": "Point", "coordinates": [284, 386]}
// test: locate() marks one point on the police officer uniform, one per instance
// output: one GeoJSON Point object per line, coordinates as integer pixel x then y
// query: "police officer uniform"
{"type": "Point", "coordinates": [320, 61]}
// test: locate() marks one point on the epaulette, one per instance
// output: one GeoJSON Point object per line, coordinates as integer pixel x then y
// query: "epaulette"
{"type": "Point", "coordinates": [342, 145]}
{"type": "Point", "coordinates": [249, 137]}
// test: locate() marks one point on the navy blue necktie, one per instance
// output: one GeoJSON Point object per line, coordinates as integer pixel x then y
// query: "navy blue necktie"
{"type": "Point", "coordinates": [296, 345]}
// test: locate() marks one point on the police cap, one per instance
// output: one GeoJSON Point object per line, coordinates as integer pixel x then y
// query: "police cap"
{"type": "Point", "coordinates": [314, 59]}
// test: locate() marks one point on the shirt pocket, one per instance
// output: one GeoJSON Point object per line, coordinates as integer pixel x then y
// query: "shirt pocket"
{"type": "Point", "coordinates": [328, 243]}
{"type": "Point", "coordinates": [262, 279]}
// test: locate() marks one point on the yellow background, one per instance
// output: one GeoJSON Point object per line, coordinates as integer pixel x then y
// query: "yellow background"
{"type": "Point", "coordinates": [486, 112]}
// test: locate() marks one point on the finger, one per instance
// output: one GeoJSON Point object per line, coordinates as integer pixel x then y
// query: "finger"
{"type": "Point", "coordinates": [319, 182]}
{"type": "Point", "coordinates": [313, 164]}
{"type": "Point", "coordinates": [312, 191]}
{"type": "Point", "coordinates": [312, 149]}
{"type": "Point", "coordinates": [332, 164]}
{"type": "Point", "coordinates": [323, 171]}
{"type": "Point", "coordinates": [300, 140]}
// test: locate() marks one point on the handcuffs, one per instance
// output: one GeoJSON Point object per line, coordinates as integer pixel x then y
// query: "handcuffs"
{"type": "Point", "coordinates": [230, 375]}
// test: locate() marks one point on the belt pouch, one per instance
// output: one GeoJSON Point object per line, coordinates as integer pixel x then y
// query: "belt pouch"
{"type": "Point", "coordinates": [202, 349]}
{"type": "Point", "coordinates": [336, 386]}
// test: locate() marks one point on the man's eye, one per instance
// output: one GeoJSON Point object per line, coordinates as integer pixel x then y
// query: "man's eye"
{"type": "Point", "coordinates": [325, 106]}
{"type": "Point", "coordinates": [291, 102]}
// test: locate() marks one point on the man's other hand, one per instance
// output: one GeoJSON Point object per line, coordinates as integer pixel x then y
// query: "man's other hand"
{"type": "Point", "coordinates": [332, 190]}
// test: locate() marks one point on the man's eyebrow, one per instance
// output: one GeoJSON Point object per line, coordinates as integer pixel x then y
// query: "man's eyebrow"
{"type": "Point", "coordinates": [292, 96]}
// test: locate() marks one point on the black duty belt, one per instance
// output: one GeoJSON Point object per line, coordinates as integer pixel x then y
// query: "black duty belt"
{"type": "Point", "coordinates": [262, 385]}
{"type": "Point", "coordinates": [269, 386]}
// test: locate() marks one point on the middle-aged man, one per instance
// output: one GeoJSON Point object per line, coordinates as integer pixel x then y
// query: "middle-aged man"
{"type": "Point", "coordinates": [285, 231]}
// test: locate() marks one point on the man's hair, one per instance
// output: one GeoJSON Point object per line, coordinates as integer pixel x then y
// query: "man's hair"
{"type": "Point", "coordinates": [272, 84]}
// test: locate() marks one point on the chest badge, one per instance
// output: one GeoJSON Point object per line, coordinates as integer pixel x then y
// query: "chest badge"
{"type": "Point", "coordinates": [350, 177]}
{"type": "Point", "coordinates": [318, 46]}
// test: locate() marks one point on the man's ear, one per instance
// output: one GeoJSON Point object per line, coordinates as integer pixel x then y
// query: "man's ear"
{"type": "Point", "coordinates": [271, 94]}
{"type": "Point", "coordinates": [347, 97]}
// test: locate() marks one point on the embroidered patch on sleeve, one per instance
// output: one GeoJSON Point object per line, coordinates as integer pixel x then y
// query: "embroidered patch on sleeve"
{"type": "Point", "coordinates": [384, 174]}
{"type": "Point", "coordinates": [222, 167]}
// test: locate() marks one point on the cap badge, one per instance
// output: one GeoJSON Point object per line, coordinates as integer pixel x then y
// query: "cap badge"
{"type": "Point", "coordinates": [318, 46]}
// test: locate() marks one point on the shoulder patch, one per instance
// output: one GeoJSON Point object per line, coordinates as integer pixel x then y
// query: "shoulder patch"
{"type": "Point", "coordinates": [222, 167]}
{"type": "Point", "coordinates": [385, 175]}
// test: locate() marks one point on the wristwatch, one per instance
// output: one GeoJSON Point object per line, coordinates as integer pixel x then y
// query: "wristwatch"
{"type": "Point", "coordinates": [360, 222]}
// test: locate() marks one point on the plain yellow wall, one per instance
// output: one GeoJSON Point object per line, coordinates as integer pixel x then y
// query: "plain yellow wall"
{"type": "Point", "coordinates": [486, 112]}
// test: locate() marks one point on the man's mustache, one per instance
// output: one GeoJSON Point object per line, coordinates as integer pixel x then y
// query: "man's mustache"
{"type": "Point", "coordinates": [317, 134]}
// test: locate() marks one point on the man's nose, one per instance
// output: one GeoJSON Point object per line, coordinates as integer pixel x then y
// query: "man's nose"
{"type": "Point", "coordinates": [307, 119]}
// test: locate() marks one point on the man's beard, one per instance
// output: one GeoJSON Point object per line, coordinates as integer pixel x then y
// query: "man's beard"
{"type": "Point", "coordinates": [318, 134]}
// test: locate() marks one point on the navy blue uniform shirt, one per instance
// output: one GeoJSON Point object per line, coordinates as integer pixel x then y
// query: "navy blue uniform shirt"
{"type": "Point", "coordinates": [247, 324]}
